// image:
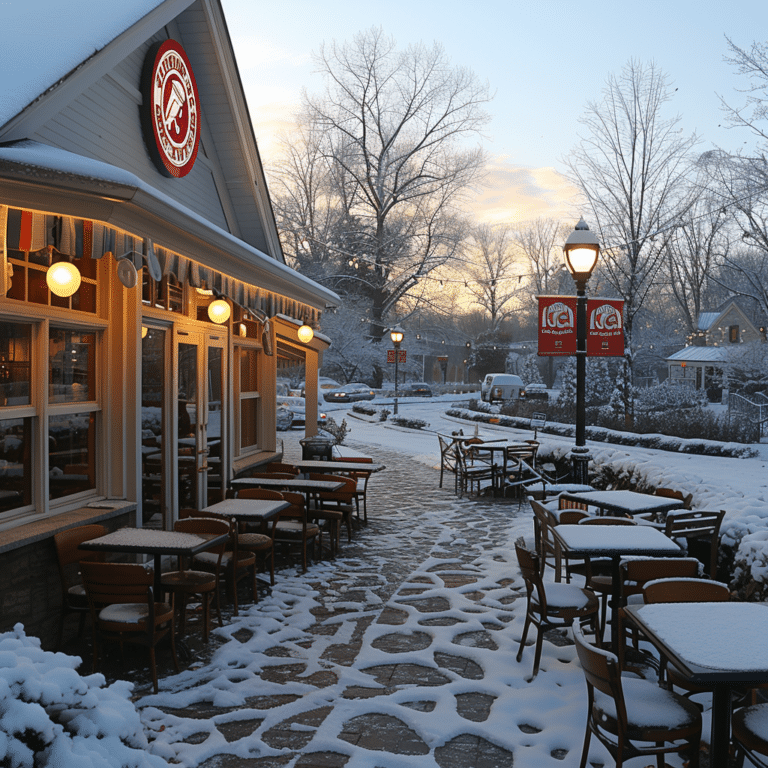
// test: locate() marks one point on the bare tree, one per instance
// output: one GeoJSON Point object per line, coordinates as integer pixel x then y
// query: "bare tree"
{"type": "Point", "coordinates": [692, 254]}
{"type": "Point", "coordinates": [541, 241]}
{"type": "Point", "coordinates": [631, 167]}
{"type": "Point", "coordinates": [493, 272]}
{"type": "Point", "coordinates": [752, 63]}
{"type": "Point", "coordinates": [394, 125]}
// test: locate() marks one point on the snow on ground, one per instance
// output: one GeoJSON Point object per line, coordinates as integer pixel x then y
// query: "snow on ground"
{"type": "Point", "coordinates": [540, 723]}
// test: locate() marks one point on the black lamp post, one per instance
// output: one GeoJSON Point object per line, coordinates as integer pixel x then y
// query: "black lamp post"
{"type": "Point", "coordinates": [396, 334]}
{"type": "Point", "coordinates": [581, 251]}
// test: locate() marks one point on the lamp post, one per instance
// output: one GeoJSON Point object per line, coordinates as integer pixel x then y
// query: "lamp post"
{"type": "Point", "coordinates": [396, 334]}
{"type": "Point", "coordinates": [581, 250]}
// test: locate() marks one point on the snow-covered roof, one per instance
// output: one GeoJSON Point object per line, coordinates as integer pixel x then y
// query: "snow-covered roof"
{"type": "Point", "coordinates": [695, 354]}
{"type": "Point", "coordinates": [707, 319]}
{"type": "Point", "coordinates": [41, 41]}
{"type": "Point", "coordinates": [124, 186]}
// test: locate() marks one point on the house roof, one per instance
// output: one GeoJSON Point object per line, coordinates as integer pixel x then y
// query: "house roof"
{"type": "Point", "coordinates": [695, 354]}
{"type": "Point", "coordinates": [42, 41]}
{"type": "Point", "coordinates": [707, 320]}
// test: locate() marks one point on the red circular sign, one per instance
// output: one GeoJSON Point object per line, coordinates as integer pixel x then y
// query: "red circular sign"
{"type": "Point", "coordinates": [171, 109]}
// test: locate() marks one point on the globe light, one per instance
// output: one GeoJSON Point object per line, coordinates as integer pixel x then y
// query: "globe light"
{"type": "Point", "coordinates": [581, 251]}
{"type": "Point", "coordinates": [306, 334]}
{"type": "Point", "coordinates": [63, 278]}
{"type": "Point", "coordinates": [219, 311]}
{"type": "Point", "coordinates": [396, 334]}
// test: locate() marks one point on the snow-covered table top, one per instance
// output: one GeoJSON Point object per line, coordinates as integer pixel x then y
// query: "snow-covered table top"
{"type": "Point", "coordinates": [251, 509]}
{"type": "Point", "coordinates": [727, 637]}
{"type": "Point", "coordinates": [588, 540]}
{"type": "Point", "coordinates": [627, 502]}
{"type": "Point", "coordinates": [148, 541]}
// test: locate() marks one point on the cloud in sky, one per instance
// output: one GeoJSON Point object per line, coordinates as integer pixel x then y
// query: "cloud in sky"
{"type": "Point", "coordinates": [515, 194]}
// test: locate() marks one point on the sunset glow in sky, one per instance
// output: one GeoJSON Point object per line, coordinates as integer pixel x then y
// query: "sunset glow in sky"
{"type": "Point", "coordinates": [543, 61]}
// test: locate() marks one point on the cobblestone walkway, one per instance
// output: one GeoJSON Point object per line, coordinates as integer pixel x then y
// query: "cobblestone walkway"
{"type": "Point", "coordinates": [357, 662]}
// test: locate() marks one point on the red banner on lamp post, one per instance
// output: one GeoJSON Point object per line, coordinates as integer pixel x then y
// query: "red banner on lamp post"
{"type": "Point", "coordinates": [605, 328]}
{"type": "Point", "coordinates": [400, 356]}
{"type": "Point", "coordinates": [557, 325]}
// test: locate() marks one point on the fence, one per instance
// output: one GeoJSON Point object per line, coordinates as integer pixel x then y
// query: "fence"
{"type": "Point", "coordinates": [756, 412]}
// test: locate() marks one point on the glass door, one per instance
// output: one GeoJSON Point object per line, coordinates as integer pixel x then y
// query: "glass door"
{"type": "Point", "coordinates": [200, 441]}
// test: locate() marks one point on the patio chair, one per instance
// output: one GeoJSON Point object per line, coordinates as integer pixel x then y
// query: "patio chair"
{"type": "Point", "coordinates": [236, 564]}
{"type": "Point", "coordinates": [623, 711]}
{"type": "Point", "coordinates": [701, 530]}
{"type": "Point", "coordinates": [361, 478]}
{"type": "Point", "coordinates": [447, 459]}
{"type": "Point", "coordinates": [556, 606]}
{"type": "Point", "coordinates": [749, 730]}
{"type": "Point", "coordinates": [329, 504]}
{"type": "Point", "coordinates": [69, 556]}
{"type": "Point", "coordinates": [124, 610]}
{"type": "Point", "coordinates": [546, 549]}
{"type": "Point", "coordinates": [260, 542]}
{"type": "Point", "coordinates": [293, 527]}
{"type": "Point", "coordinates": [468, 474]}
{"type": "Point", "coordinates": [282, 467]}
{"type": "Point", "coordinates": [184, 582]}
{"type": "Point", "coordinates": [671, 493]}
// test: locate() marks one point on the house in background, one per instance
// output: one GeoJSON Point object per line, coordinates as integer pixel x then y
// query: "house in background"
{"type": "Point", "coordinates": [700, 364]}
{"type": "Point", "coordinates": [145, 303]}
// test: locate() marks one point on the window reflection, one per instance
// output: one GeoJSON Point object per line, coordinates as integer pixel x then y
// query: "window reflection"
{"type": "Point", "coordinates": [248, 371]}
{"type": "Point", "coordinates": [15, 368]}
{"type": "Point", "coordinates": [71, 366]}
{"type": "Point", "coordinates": [249, 422]}
{"type": "Point", "coordinates": [152, 404]}
{"type": "Point", "coordinates": [15, 464]}
{"type": "Point", "coordinates": [71, 454]}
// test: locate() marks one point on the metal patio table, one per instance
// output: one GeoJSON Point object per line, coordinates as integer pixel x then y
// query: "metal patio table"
{"type": "Point", "coordinates": [150, 541]}
{"type": "Point", "coordinates": [625, 502]}
{"type": "Point", "coordinates": [717, 645]}
{"type": "Point", "coordinates": [298, 484]}
{"type": "Point", "coordinates": [614, 541]}
{"type": "Point", "coordinates": [329, 467]}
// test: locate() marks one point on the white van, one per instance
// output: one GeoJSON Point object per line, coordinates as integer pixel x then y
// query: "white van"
{"type": "Point", "coordinates": [502, 386]}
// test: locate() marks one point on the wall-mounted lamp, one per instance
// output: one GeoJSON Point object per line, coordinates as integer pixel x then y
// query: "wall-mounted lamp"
{"type": "Point", "coordinates": [63, 278]}
{"type": "Point", "coordinates": [144, 331]}
{"type": "Point", "coordinates": [219, 311]}
{"type": "Point", "coordinates": [305, 334]}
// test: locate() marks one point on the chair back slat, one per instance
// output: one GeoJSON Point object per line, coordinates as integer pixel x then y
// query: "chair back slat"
{"type": "Point", "coordinates": [607, 520]}
{"type": "Point", "coordinates": [265, 494]}
{"type": "Point", "coordinates": [685, 591]}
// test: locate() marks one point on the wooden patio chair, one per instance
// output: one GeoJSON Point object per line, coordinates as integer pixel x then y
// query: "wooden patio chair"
{"type": "Point", "coordinates": [470, 475]}
{"type": "Point", "coordinates": [361, 478]}
{"type": "Point", "coordinates": [448, 459]}
{"type": "Point", "coordinates": [294, 528]}
{"type": "Point", "coordinates": [623, 711]}
{"type": "Point", "coordinates": [671, 493]}
{"type": "Point", "coordinates": [124, 610]}
{"type": "Point", "coordinates": [185, 582]}
{"type": "Point", "coordinates": [329, 504]}
{"type": "Point", "coordinates": [69, 556]}
{"type": "Point", "coordinates": [701, 531]}
{"type": "Point", "coordinates": [260, 542]}
{"type": "Point", "coordinates": [749, 731]}
{"type": "Point", "coordinates": [556, 606]}
{"type": "Point", "coordinates": [546, 549]}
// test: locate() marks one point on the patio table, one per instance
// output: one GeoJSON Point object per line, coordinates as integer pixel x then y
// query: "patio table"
{"type": "Point", "coordinates": [329, 467]}
{"type": "Point", "coordinates": [150, 541]}
{"type": "Point", "coordinates": [249, 510]}
{"type": "Point", "coordinates": [625, 502]}
{"type": "Point", "coordinates": [715, 645]}
{"type": "Point", "coordinates": [299, 484]}
{"type": "Point", "coordinates": [614, 541]}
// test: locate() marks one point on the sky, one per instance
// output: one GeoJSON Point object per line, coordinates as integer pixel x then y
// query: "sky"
{"type": "Point", "coordinates": [543, 61]}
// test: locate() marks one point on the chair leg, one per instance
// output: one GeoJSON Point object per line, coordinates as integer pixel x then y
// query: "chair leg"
{"type": "Point", "coordinates": [585, 750]}
{"type": "Point", "coordinates": [537, 655]}
{"type": "Point", "coordinates": [523, 638]}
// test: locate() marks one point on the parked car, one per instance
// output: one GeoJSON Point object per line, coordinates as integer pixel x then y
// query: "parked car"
{"type": "Point", "coordinates": [323, 383]}
{"type": "Point", "coordinates": [419, 389]}
{"type": "Point", "coordinates": [349, 393]}
{"type": "Point", "coordinates": [536, 392]}
{"type": "Point", "coordinates": [284, 419]}
{"type": "Point", "coordinates": [501, 386]}
{"type": "Point", "coordinates": [297, 406]}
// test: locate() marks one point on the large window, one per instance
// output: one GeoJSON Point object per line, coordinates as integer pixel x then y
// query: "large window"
{"type": "Point", "coordinates": [58, 412]}
{"type": "Point", "coordinates": [247, 389]}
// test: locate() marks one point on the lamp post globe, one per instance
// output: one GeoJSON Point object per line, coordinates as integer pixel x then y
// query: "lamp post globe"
{"type": "Point", "coordinates": [397, 335]}
{"type": "Point", "coordinates": [581, 251]}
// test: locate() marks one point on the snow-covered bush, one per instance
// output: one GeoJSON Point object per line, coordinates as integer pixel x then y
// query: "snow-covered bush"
{"type": "Point", "coordinates": [666, 397]}
{"type": "Point", "coordinates": [51, 716]}
{"type": "Point", "coordinates": [400, 421]}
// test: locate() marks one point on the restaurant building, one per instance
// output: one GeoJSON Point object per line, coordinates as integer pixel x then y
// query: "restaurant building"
{"type": "Point", "coordinates": [145, 305]}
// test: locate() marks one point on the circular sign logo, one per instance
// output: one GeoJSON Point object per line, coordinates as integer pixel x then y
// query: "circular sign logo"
{"type": "Point", "coordinates": [171, 109]}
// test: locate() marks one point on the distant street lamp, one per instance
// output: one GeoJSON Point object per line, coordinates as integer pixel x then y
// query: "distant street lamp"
{"type": "Point", "coordinates": [396, 334]}
{"type": "Point", "coordinates": [581, 250]}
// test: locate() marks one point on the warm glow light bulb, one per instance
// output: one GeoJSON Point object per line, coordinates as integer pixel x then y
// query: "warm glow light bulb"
{"type": "Point", "coordinates": [63, 278]}
{"type": "Point", "coordinates": [144, 331]}
{"type": "Point", "coordinates": [219, 311]}
{"type": "Point", "coordinates": [306, 334]}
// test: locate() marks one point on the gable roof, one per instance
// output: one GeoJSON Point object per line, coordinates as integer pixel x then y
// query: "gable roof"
{"type": "Point", "coordinates": [694, 354]}
{"type": "Point", "coordinates": [59, 39]}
